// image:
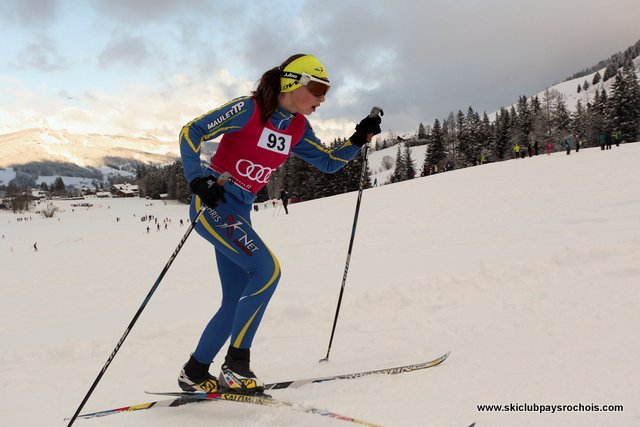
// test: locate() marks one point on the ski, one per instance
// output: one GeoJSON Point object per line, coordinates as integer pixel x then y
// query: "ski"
{"type": "Point", "coordinates": [183, 398]}
{"type": "Point", "coordinates": [299, 383]}
{"type": "Point", "coordinates": [229, 397]}
{"type": "Point", "coordinates": [142, 406]}
{"type": "Point", "coordinates": [264, 400]}
{"type": "Point", "coordinates": [387, 371]}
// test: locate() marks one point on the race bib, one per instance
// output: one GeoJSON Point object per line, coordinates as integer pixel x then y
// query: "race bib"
{"type": "Point", "coordinates": [274, 141]}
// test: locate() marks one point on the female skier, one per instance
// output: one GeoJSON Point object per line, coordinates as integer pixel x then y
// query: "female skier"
{"type": "Point", "coordinates": [259, 132]}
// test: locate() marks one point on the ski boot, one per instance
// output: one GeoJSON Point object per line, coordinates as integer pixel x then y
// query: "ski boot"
{"type": "Point", "coordinates": [236, 376]}
{"type": "Point", "coordinates": [195, 377]}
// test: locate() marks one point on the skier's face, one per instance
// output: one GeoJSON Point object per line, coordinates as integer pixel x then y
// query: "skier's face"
{"type": "Point", "coordinates": [302, 101]}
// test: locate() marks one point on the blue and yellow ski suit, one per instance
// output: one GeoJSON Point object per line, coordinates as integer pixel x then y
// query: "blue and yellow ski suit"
{"type": "Point", "coordinates": [249, 271]}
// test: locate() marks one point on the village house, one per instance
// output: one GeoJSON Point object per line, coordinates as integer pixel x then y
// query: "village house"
{"type": "Point", "coordinates": [125, 190]}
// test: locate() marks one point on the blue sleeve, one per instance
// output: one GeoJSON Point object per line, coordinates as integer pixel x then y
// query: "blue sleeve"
{"type": "Point", "coordinates": [313, 151]}
{"type": "Point", "coordinates": [230, 117]}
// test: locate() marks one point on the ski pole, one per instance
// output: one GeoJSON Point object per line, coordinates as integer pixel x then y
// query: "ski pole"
{"type": "Point", "coordinates": [375, 111]}
{"type": "Point", "coordinates": [221, 180]}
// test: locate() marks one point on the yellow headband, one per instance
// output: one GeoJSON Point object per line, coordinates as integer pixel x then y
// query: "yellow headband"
{"type": "Point", "coordinates": [305, 64]}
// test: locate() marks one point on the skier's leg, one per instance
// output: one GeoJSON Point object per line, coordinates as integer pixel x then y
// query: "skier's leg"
{"type": "Point", "coordinates": [228, 228]}
{"type": "Point", "coordinates": [234, 280]}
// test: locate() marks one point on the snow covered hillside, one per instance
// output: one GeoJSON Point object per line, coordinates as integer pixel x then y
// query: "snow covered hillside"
{"type": "Point", "coordinates": [527, 270]}
{"type": "Point", "coordinates": [570, 88]}
{"type": "Point", "coordinates": [376, 160]}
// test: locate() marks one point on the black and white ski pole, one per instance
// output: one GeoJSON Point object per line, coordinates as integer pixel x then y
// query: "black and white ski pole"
{"type": "Point", "coordinates": [375, 112]}
{"type": "Point", "coordinates": [221, 180]}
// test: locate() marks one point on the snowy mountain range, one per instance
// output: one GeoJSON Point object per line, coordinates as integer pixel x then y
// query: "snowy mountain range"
{"type": "Point", "coordinates": [49, 153]}
{"type": "Point", "coordinates": [36, 145]}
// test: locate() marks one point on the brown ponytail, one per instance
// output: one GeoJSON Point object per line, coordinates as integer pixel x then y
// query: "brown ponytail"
{"type": "Point", "coordinates": [268, 91]}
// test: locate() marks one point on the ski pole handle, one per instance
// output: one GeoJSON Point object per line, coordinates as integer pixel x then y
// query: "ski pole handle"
{"type": "Point", "coordinates": [222, 179]}
{"type": "Point", "coordinates": [376, 111]}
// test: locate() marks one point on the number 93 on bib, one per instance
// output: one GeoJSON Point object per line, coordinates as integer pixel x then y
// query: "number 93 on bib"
{"type": "Point", "coordinates": [275, 141]}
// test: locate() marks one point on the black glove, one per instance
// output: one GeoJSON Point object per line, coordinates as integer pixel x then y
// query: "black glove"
{"type": "Point", "coordinates": [208, 189]}
{"type": "Point", "coordinates": [366, 126]}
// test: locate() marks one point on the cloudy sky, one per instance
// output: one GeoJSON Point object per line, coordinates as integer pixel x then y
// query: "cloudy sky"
{"type": "Point", "coordinates": [146, 67]}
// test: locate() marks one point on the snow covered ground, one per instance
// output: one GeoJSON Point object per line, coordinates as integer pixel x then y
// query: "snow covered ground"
{"type": "Point", "coordinates": [527, 270]}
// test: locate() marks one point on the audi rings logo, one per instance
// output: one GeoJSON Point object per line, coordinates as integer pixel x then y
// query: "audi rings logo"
{"type": "Point", "coordinates": [254, 172]}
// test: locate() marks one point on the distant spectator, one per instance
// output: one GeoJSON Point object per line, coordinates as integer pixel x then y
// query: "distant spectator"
{"type": "Point", "coordinates": [284, 196]}
{"type": "Point", "coordinates": [567, 144]}
{"type": "Point", "coordinates": [608, 139]}
{"type": "Point", "coordinates": [617, 136]}
{"type": "Point", "coordinates": [601, 139]}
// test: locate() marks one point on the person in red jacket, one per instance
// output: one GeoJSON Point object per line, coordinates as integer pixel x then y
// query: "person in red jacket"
{"type": "Point", "coordinates": [258, 134]}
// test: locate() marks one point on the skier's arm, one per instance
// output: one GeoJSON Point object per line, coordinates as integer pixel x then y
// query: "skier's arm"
{"type": "Point", "coordinates": [313, 151]}
{"type": "Point", "coordinates": [228, 118]}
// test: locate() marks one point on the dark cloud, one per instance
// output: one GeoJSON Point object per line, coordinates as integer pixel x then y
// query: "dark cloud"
{"type": "Point", "coordinates": [424, 59]}
{"type": "Point", "coordinates": [30, 13]}
{"type": "Point", "coordinates": [143, 12]}
{"type": "Point", "coordinates": [419, 60]}
{"type": "Point", "coordinates": [41, 54]}
{"type": "Point", "coordinates": [124, 49]}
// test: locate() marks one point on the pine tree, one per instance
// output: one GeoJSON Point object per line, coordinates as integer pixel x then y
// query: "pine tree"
{"type": "Point", "coordinates": [578, 123]}
{"type": "Point", "coordinates": [359, 160]}
{"type": "Point", "coordinates": [579, 88]}
{"type": "Point", "coordinates": [545, 118]}
{"type": "Point", "coordinates": [523, 122]}
{"type": "Point", "coordinates": [596, 78]}
{"type": "Point", "coordinates": [538, 129]}
{"type": "Point", "coordinates": [561, 118]}
{"type": "Point", "coordinates": [610, 71]}
{"type": "Point", "coordinates": [554, 119]}
{"type": "Point", "coordinates": [485, 136]}
{"type": "Point", "coordinates": [501, 134]}
{"type": "Point", "coordinates": [141, 171]}
{"type": "Point", "coordinates": [58, 185]}
{"type": "Point", "coordinates": [297, 179]}
{"type": "Point", "coordinates": [606, 118]}
{"type": "Point", "coordinates": [181, 186]}
{"type": "Point", "coordinates": [460, 135]}
{"type": "Point", "coordinates": [633, 84]}
{"type": "Point", "coordinates": [399, 173]}
{"type": "Point", "coordinates": [449, 136]}
{"type": "Point", "coordinates": [615, 108]}
{"type": "Point", "coordinates": [536, 107]}
{"type": "Point", "coordinates": [435, 154]}
{"type": "Point", "coordinates": [422, 132]}
{"type": "Point", "coordinates": [596, 114]}
{"type": "Point", "coordinates": [470, 141]}
{"type": "Point", "coordinates": [623, 104]}
{"type": "Point", "coordinates": [351, 174]}
{"type": "Point", "coordinates": [409, 166]}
